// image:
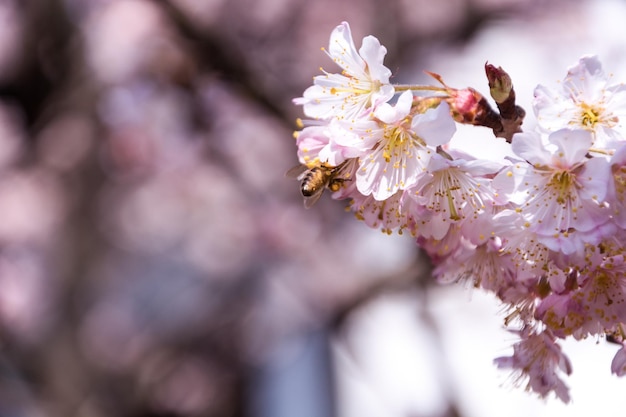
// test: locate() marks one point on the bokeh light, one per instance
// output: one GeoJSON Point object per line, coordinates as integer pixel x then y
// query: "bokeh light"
{"type": "Point", "coordinates": [154, 259]}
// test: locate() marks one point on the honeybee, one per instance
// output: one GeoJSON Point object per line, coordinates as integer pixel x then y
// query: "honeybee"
{"type": "Point", "coordinates": [315, 180]}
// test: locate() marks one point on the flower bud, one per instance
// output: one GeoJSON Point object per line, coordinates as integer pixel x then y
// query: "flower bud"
{"type": "Point", "coordinates": [500, 84]}
{"type": "Point", "coordinates": [464, 104]}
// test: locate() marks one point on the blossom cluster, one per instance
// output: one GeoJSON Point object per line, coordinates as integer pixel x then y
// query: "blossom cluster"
{"type": "Point", "coordinates": [544, 230]}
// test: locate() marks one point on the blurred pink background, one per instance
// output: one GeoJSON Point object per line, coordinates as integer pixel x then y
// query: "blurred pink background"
{"type": "Point", "coordinates": [154, 260]}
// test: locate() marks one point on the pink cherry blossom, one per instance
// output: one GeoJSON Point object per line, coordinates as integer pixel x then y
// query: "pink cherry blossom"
{"type": "Point", "coordinates": [388, 215]}
{"type": "Point", "coordinates": [542, 231]}
{"type": "Point", "coordinates": [595, 305]}
{"type": "Point", "coordinates": [538, 358]}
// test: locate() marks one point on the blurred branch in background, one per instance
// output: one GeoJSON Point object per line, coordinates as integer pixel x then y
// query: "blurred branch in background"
{"type": "Point", "coordinates": [154, 261]}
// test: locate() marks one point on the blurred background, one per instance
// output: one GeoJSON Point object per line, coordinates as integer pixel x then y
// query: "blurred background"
{"type": "Point", "coordinates": [154, 260]}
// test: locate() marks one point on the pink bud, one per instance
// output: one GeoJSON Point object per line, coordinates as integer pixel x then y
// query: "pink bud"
{"type": "Point", "coordinates": [465, 104]}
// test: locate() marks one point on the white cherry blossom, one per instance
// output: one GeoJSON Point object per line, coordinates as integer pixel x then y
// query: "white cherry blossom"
{"type": "Point", "coordinates": [557, 189]}
{"type": "Point", "coordinates": [362, 85]}
{"type": "Point", "coordinates": [586, 100]}
{"type": "Point", "coordinates": [405, 144]}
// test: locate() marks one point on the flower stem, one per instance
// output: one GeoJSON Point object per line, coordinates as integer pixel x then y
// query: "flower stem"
{"type": "Point", "coordinates": [414, 87]}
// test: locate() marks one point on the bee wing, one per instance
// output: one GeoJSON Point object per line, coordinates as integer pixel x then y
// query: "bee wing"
{"type": "Point", "coordinates": [312, 199]}
{"type": "Point", "coordinates": [296, 172]}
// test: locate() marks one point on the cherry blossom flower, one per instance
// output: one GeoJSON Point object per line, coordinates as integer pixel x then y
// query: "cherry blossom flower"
{"type": "Point", "coordinates": [543, 232]}
{"type": "Point", "coordinates": [539, 358]}
{"type": "Point", "coordinates": [439, 247]}
{"type": "Point", "coordinates": [455, 190]}
{"type": "Point", "coordinates": [587, 101]}
{"type": "Point", "coordinates": [362, 85]}
{"type": "Point", "coordinates": [483, 265]}
{"type": "Point", "coordinates": [324, 143]}
{"type": "Point", "coordinates": [388, 215]}
{"type": "Point", "coordinates": [557, 189]}
{"type": "Point", "coordinates": [480, 256]}
{"type": "Point", "coordinates": [312, 141]}
{"type": "Point", "coordinates": [405, 143]}
{"type": "Point", "coordinates": [595, 305]}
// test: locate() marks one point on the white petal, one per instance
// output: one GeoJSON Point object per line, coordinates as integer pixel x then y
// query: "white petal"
{"type": "Point", "coordinates": [529, 146]}
{"type": "Point", "coordinates": [572, 146]}
{"type": "Point", "coordinates": [391, 114]}
{"type": "Point", "coordinates": [342, 50]}
{"type": "Point", "coordinates": [595, 179]}
{"type": "Point", "coordinates": [374, 54]}
{"type": "Point", "coordinates": [554, 110]}
{"type": "Point", "coordinates": [586, 80]}
{"type": "Point", "coordinates": [435, 126]}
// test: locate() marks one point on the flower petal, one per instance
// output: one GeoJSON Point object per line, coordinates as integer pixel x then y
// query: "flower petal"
{"type": "Point", "coordinates": [435, 126]}
{"type": "Point", "coordinates": [342, 50]}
